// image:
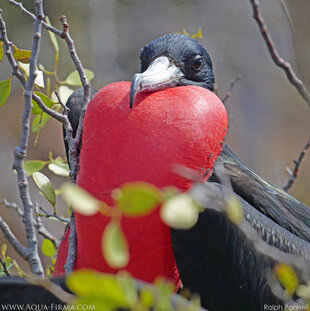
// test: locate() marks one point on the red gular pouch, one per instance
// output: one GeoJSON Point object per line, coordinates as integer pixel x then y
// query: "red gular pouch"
{"type": "Point", "coordinates": [183, 125]}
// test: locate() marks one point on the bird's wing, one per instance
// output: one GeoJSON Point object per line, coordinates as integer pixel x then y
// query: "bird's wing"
{"type": "Point", "coordinates": [267, 198]}
{"type": "Point", "coordinates": [229, 264]}
{"type": "Point", "coordinates": [75, 103]}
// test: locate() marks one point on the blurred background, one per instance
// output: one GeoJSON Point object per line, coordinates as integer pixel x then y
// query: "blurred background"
{"type": "Point", "coordinates": [269, 121]}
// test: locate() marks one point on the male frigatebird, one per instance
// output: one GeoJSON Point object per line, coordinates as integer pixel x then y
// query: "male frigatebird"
{"type": "Point", "coordinates": [214, 258]}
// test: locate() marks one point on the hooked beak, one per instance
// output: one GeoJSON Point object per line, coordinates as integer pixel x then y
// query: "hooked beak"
{"type": "Point", "coordinates": [161, 74]}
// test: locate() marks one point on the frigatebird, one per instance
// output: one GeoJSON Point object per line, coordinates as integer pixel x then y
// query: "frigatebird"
{"type": "Point", "coordinates": [213, 258]}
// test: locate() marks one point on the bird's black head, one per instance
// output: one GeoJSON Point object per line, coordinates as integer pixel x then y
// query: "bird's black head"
{"type": "Point", "coordinates": [172, 60]}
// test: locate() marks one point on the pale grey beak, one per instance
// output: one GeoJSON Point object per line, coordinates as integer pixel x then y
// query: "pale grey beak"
{"type": "Point", "coordinates": [161, 74]}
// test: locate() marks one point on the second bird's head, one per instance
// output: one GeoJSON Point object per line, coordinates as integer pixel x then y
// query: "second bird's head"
{"type": "Point", "coordinates": [172, 60]}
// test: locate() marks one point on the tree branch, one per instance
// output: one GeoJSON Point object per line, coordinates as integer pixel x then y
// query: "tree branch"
{"type": "Point", "coordinates": [72, 246]}
{"type": "Point", "coordinates": [21, 150]}
{"type": "Point", "coordinates": [280, 62]}
{"type": "Point", "coordinates": [293, 174]}
{"type": "Point", "coordinates": [73, 143]}
{"type": "Point", "coordinates": [37, 221]}
{"type": "Point", "coordinates": [8, 204]}
{"type": "Point", "coordinates": [232, 84]}
{"type": "Point", "coordinates": [48, 215]}
{"type": "Point", "coordinates": [19, 248]}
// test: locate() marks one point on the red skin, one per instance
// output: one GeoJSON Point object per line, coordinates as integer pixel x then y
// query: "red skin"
{"type": "Point", "coordinates": [183, 125]}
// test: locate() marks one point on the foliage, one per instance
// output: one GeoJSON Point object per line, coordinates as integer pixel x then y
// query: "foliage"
{"type": "Point", "coordinates": [43, 82]}
{"type": "Point", "coordinates": [110, 292]}
{"type": "Point", "coordinates": [134, 199]}
{"type": "Point", "coordinates": [9, 264]}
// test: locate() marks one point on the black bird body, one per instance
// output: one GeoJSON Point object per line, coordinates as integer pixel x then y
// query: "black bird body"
{"type": "Point", "coordinates": [215, 258]}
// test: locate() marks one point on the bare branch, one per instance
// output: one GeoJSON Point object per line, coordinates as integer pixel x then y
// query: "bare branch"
{"type": "Point", "coordinates": [232, 84]}
{"type": "Point", "coordinates": [13, 205]}
{"type": "Point", "coordinates": [287, 14]}
{"type": "Point", "coordinates": [64, 107]}
{"type": "Point", "coordinates": [37, 221]}
{"type": "Point", "coordinates": [19, 248]}
{"type": "Point", "coordinates": [21, 150]}
{"type": "Point", "coordinates": [71, 247]}
{"type": "Point", "coordinates": [18, 74]}
{"type": "Point", "coordinates": [74, 144]}
{"type": "Point", "coordinates": [291, 75]}
{"type": "Point", "coordinates": [48, 215]}
{"type": "Point", "coordinates": [293, 174]}
{"type": "Point", "coordinates": [33, 17]}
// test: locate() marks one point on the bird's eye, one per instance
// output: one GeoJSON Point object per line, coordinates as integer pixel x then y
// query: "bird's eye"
{"type": "Point", "coordinates": [197, 62]}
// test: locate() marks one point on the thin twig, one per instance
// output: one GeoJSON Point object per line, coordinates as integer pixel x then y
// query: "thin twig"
{"type": "Point", "coordinates": [287, 14]}
{"type": "Point", "coordinates": [13, 205]}
{"type": "Point", "coordinates": [291, 75]}
{"type": "Point", "coordinates": [9, 235]}
{"type": "Point", "coordinates": [72, 246]}
{"type": "Point", "coordinates": [41, 228]}
{"type": "Point", "coordinates": [48, 215]}
{"type": "Point", "coordinates": [232, 84]}
{"type": "Point", "coordinates": [37, 221]}
{"type": "Point", "coordinates": [293, 174]}
{"type": "Point", "coordinates": [33, 17]}
{"type": "Point", "coordinates": [66, 110]}
{"type": "Point", "coordinates": [5, 269]}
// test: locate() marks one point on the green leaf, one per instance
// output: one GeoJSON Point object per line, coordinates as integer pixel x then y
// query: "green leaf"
{"type": "Point", "coordinates": [36, 124]}
{"type": "Point", "coordinates": [3, 250]}
{"type": "Point", "coordinates": [58, 168]}
{"type": "Point", "coordinates": [234, 210]}
{"type": "Point", "coordinates": [52, 36]}
{"type": "Point", "coordinates": [137, 198]}
{"type": "Point", "coordinates": [1, 51]}
{"type": "Point", "coordinates": [198, 34]}
{"type": "Point", "coordinates": [303, 291]}
{"type": "Point", "coordinates": [114, 246]}
{"type": "Point", "coordinates": [80, 200]}
{"type": "Point", "coordinates": [39, 80]}
{"type": "Point", "coordinates": [47, 248]}
{"type": "Point", "coordinates": [64, 92]}
{"type": "Point", "coordinates": [88, 284]}
{"type": "Point", "coordinates": [180, 212]}
{"type": "Point", "coordinates": [287, 278]}
{"type": "Point", "coordinates": [147, 297]}
{"type": "Point", "coordinates": [165, 291]}
{"type": "Point", "coordinates": [45, 186]}
{"type": "Point", "coordinates": [46, 101]}
{"type": "Point", "coordinates": [21, 55]}
{"type": "Point", "coordinates": [73, 78]}
{"type": "Point", "coordinates": [5, 89]}
{"type": "Point", "coordinates": [33, 166]}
